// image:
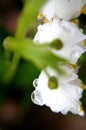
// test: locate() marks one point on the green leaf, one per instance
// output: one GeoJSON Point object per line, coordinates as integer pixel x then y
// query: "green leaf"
{"type": "Point", "coordinates": [82, 22]}
{"type": "Point", "coordinates": [82, 67]}
{"type": "Point", "coordinates": [83, 99]}
{"type": "Point", "coordinates": [28, 16]}
{"type": "Point", "coordinates": [82, 59]}
{"type": "Point", "coordinates": [25, 74]}
{"type": "Point", "coordinates": [40, 55]}
{"type": "Point", "coordinates": [4, 65]}
{"type": "Point", "coordinates": [82, 73]}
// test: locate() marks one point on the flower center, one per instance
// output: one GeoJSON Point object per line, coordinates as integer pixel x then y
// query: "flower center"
{"type": "Point", "coordinates": [57, 44]}
{"type": "Point", "coordinates": [52, 82]}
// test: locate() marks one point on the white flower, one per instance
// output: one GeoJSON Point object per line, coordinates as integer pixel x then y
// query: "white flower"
{"type": "Point", "coordinates": [84, 1]}
{"type": "Point", "coordinates": [64, 9]}
{"type": "Point", "coordinates": [68, 33]}
{"type": "Point", "coordinates": [65, 97]}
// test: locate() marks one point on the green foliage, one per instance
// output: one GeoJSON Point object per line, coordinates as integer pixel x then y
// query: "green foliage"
{"type": "Point", "coordinates": [82, 59]}
{"type": "Point", "coordinates": [25, 75]}
{"type": "Point", "coordinates": [13, 72]}
{"type": "Point", "coordinates": [82, 69]}
{"type": "Point", "coordinates": [37, 54]}
{"type": "Point", "coordinates": [28, 16]}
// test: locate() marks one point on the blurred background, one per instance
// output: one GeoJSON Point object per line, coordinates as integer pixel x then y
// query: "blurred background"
{"type": "Point", "coordinates": [16, 109]}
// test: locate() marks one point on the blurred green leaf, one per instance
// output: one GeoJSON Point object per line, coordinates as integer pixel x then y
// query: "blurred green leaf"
{"type": "Point", "coordinates": [25, 75]}
{"type": "Point", "coordinates": [5, 64]}
{"type": "Point", "coordinates": [3, 34]}
{"type": "Point", "coordinates": [82, 67]}
{"type": "Point", "coordinates": [82, 59]}
{"type": "Point", "coordinates": [4, 56]}
{"type": "Point", "coordinates": [82, 22]}
{"type": "Point", "coordinates": [82, 73]}
{"type": "Point", "coordinates": [28, 16]}
{"type": "Point", "coordinates": [23, 79]}
{"type": "Point", "coordinates": [37, 54]}
{"type": "Point", "coordinates": [83, 99]}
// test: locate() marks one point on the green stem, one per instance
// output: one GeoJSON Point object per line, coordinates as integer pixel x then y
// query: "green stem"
{"type": "Point", "coordinates": [12, 70]}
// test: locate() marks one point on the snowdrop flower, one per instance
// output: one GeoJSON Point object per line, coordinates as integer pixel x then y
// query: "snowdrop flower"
{"type": "Point", "coordinates": [64, 9]}
{"type": "Point", "coordinates": [63, 97]}
{"type": "Point", "coordinates": [69, 34]}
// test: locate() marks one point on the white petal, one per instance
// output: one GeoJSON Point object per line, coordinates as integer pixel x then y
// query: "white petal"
{"type": "Point", "coordinates": [48, 9]}
{"type": "Point", "coordinates": [65, 9]}
{"type": "Point", "coordinates": [67, 32]}
{"type": "Point", "coordinates": [63, 99]}
{"type": "Point", "coordinates": [77, 52]}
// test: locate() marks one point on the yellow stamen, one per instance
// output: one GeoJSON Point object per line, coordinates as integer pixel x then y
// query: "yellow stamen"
{"type": "Point", "coordinates": [42, 18]}
{"type": "Point", "coordinates": [81, 112]}
{"type": "Point", "coordinates": [74, 65]}
{"type": "Point", "coordinates": [84, 42]}
{"type": "Point", "coordinates": [75, 21]}
{"type": "Point", "coordinates": [83, 86]}
{"type": "Point", "coordinates": [46, 20]}
{"type": "Point", "coordinates": [81, 108]}
{"type": "Point", "coordinates": [83, 10]}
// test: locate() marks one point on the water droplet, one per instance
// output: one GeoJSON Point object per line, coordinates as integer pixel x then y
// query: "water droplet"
{"type": "Point", "coordinates": [36, 98]}
{"type": "Point", "coordinates": [35, 82]}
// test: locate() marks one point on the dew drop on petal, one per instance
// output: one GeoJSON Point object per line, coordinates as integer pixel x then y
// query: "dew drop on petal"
{"type": "Point", "coordinates": [35, 82]}
{"type": "Point", "coordinates": [36, 98]}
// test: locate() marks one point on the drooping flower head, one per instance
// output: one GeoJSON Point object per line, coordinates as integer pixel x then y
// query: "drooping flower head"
{"type": "Point", "coordinates": [70, 35]}
{"type": "Point", "coordinates": [63, 97]}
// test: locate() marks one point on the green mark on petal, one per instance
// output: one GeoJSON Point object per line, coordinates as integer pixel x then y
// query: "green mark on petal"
{"type": "Point", "coordinates": [52, 83]}
{"type": "Point", "coordinates": [57, 44]}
